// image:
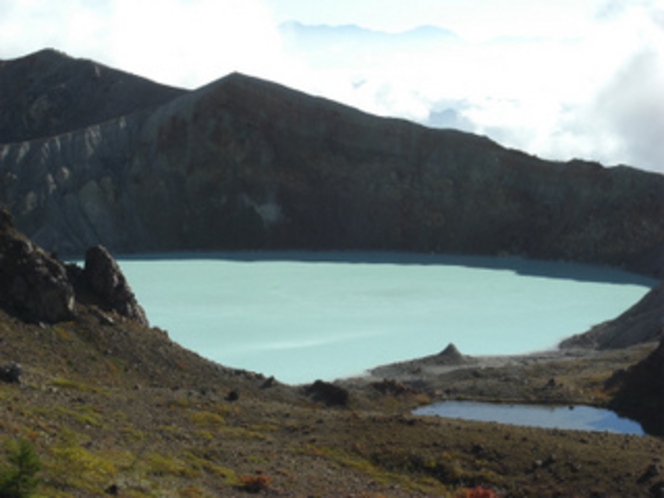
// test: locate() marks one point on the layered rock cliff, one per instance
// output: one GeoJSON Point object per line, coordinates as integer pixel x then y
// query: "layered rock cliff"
{"type": "Point", "coordinates": [247, 164]}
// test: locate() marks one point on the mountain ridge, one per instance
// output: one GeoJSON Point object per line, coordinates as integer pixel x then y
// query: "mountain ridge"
{"type": "Point", "coordinates": [49, 93]}
{"type": "Point", "coordinates": [270, 167]}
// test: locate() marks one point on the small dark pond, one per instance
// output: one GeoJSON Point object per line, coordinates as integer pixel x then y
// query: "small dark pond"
{"type": "Point", "coordinates": [585, 418]}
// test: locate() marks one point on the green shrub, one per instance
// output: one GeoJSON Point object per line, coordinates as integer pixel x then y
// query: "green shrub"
{"type": "Point", "coordinates": [20, 479]}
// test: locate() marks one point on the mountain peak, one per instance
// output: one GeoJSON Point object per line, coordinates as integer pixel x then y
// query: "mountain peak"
{"type": "Point", "coordinates": [48, 93]}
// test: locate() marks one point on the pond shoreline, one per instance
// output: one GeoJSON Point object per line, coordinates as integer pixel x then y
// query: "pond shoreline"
{"type": "Point", "coordinates": [569, 417]}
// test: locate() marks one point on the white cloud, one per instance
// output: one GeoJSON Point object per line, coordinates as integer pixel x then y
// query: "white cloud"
{"type": "Point", "coordinates": [595, 95]}
{"type": "Point", "coordinates": [179, 42]}
{"type": "Point", "coordinates": [193, 42]}
{"type": "Point", "coordinates": [557, 79]}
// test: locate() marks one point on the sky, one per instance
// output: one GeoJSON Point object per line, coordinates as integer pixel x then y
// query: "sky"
{"type": "Point", "coordinates": [561, 80]}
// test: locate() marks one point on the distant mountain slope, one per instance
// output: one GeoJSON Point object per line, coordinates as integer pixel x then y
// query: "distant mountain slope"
{"type": "Point", "coordinates": [247, 164]}
{"type": "Point", "coordinates": [48, 93]}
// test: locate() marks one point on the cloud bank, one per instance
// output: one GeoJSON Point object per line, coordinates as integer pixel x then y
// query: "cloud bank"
{"type": "Point", "coordinates": [569, 79]}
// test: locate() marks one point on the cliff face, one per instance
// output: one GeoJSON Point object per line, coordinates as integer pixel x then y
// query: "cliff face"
{"type": "Point", "coordinates": [243, 163]}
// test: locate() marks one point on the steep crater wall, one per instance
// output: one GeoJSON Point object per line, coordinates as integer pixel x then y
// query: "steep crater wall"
{"type": "Point", "coordinates": [247, 164]}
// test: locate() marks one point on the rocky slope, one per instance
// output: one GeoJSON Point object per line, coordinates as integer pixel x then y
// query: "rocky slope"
{"type": "Point", "coordinates": [112, 407]}
{"type": "Point", "coordinates": [643, 322]}
{"type": "Point", "coordinates": [243, 163]}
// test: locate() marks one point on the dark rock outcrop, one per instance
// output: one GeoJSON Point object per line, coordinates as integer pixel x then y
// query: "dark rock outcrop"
{"type": "Point", "coordinates": [327, 393]}
{"type": "Point", "coordinates": [11, 373]}
{"type": "Point", "coordinates": [247, 164]}
{"type": "Point", "coordinates": [37, 287]}
{"type": "Point", "coordinates": [643, 322]}
{"type": "Point", "coordinates": [33, 284]}
{"type": "Point", "coordinates": [101, 282]}
{"type": "Point", "coordinates": [641, 392]}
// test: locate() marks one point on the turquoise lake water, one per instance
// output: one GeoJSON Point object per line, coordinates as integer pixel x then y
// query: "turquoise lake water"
{"type": "Point", "coordinates": [308, 316]}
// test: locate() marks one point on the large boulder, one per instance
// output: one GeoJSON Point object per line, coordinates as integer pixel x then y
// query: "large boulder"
{"type": "Point", "coordinates": [33, 284]}
{"type": "Point", "coordinates": [327, 393]}
{"type": "Point", "coordinates": [36, 286]}
{"type": "Point", "coordinates": [104, 279]}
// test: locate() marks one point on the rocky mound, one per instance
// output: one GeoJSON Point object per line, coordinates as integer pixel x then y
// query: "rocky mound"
{"type": "Point", "coordinates": [37, 287]}
{"type": "Point", "coordinates": [450, 356]}
{"type": "Point", "coordinates": [269, 167]}
{"type": "Point", "coordinates": [643, 322]}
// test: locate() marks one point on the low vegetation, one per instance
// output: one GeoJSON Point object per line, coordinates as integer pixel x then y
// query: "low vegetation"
{"type": "Point", "coordinates": [118, 409]}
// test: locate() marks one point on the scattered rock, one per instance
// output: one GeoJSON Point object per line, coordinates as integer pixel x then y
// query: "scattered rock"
{"type": "Point", "coordinates": [113, 490]}
{"type": "Point", "coordinates": [551, 384]}
{"type": "Point", "coordinates": [392, 387]}
{"type": "Point", "coordinates": [269, 382]}
{"type": "Point", "coordinates": [11, 373]}
{"type": "Point", "coordinates": [651, 472]}
{"type": "Point", "coordinates": [657, 490]}
{"type": "Point", "coordinates": [325, 392]}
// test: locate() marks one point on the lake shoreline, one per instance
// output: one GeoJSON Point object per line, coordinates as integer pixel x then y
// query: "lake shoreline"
{"type": "Point", "coordinates": [432, 366]}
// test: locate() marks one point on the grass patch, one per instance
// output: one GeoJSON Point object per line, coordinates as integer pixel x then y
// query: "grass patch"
{"type": "Point", "coordinates": [206, 419]}
{"type": "Point", "coordinates": [380, 473]}
{"type": "Point", "coordinates": [70, 466]}
{"type": "Point", "coordinates": [162, 465]}
{"type": "Point", "coordinates": [72, 385]}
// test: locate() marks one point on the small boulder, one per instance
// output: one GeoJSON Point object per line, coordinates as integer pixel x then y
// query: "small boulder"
{"type": "Point", "coordinates": [328, 393]}
{"type": "Point", "coordinates": [11, 373]}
